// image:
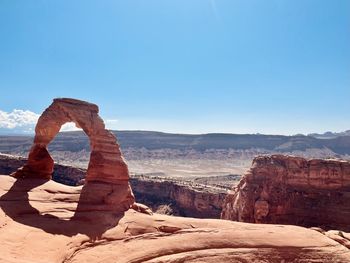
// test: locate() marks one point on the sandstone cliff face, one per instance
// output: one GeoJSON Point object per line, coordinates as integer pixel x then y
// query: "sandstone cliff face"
{"type": "Point", "coordinates": [185, 199]}
{"type": "Point", "coordinates": [292, 190]}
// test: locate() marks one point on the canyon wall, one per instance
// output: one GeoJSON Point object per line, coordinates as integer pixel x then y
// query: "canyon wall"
{"type": "Point", "coordinates": [181, 198]}
{"type": "Point", "coordinates": [163, 195]}
{"type": "Point", "coordinates": [282, 189]}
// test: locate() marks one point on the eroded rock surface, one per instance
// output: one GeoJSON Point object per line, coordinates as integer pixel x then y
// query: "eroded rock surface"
{"type": "Point", "coordinates": [42, 221]}
{"type": "Point", "coordinates": [180, 197]}
{"type": "Point", "coordinates": [106, 165]}
{"type": "Point", "coordinates": [106, 162]}
{"type": "Point", "coordinates": [282, 189]}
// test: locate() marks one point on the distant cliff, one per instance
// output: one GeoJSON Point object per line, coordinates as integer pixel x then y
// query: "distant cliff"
{"type": "Point", "coordinates": [182, 198]}
{"type": "Point", "coordinates": [291, 190]}
{"type": "Point", "coordinates": [338, 144]}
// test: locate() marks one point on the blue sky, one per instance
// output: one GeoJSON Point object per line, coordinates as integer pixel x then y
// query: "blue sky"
{"type": "Point", "coordinates": [188, 66]}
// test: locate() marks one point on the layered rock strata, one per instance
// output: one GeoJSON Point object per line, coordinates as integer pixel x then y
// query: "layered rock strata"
{"type": "Point", "coordinates": [282, 189]}
{"type": "Point", "coordinates": [180, 197]}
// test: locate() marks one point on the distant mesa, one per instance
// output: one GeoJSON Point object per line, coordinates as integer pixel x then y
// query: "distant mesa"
{"type": "Point", "coordinates": [329, 134]}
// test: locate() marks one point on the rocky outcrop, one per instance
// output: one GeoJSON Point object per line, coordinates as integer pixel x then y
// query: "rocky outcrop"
{"type": "Point", "coordinates": [282, 189]}
{"type": "Point", "coordinates": [42, 221]}
{"type": "Point", "coordinates": [107, 168]}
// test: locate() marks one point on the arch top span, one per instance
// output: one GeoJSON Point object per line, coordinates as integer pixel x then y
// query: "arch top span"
{"type": "Point", "coordinates": [106, 164]}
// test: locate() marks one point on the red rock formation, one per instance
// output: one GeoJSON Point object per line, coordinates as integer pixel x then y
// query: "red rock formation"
{"type": "Point", "coordinates": [292, 190]}
{"type": "Point", "coordinates": [106, 162]}
{"type": "Point", "coordinates": [42, 221]}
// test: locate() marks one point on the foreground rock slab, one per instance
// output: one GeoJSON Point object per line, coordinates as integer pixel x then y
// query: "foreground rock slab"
{"type": "Point", "coordinates": [43, 221]}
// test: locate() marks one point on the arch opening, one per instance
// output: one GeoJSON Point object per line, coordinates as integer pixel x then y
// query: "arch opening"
{"type": "Point", "coordinates": [71, 147]}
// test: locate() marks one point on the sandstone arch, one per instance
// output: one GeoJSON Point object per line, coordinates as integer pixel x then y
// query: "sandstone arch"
{"type": "Point", "coordinates": [106, 162]}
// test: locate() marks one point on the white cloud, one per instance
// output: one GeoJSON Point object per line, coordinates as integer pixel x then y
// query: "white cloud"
{"type": "Point", "coordinates": [24, 121]}
{"type": "Point", "coordinates": [111, 121]}
{"type": "Point", "coordinates": [69, 126]}
{"type": "Point", "coordinates": [18, 119]}
{"type": "Point", "coordinates": [111, 124]}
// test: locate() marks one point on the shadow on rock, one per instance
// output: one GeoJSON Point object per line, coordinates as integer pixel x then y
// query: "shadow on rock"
{"type": "Point", "coordinates": [97, 207]}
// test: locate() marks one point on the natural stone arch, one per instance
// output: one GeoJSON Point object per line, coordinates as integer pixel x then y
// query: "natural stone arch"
{"type": "Point", "coordinates": [106, 162]}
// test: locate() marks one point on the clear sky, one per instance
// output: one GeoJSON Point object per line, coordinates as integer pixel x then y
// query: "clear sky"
{"type": "Point", "coordinates": [188, 66]}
